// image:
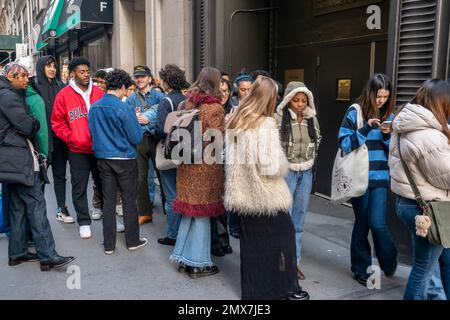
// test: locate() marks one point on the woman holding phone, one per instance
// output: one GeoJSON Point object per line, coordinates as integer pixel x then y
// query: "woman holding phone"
{"type": "Point", "coordinates": [377, 104]}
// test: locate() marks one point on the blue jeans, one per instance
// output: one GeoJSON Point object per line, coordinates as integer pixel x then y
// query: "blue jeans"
{"type": "Point", "coordinates": [169, 185]}
{"type": "Point", "coordinates": [370, 214]}
{"type": "Point", "coordinates": [427, 257]}
{"type": "Point", "coordinates": [6, 205]}
{"type": "Point", "coordinates": [29, 202]}
{"type": "Point", "coordinates": [193, 246]}
{"type": "Point", "coordinates": [435, 288]}
{"type": "Point", "coordinates": [300, 185]}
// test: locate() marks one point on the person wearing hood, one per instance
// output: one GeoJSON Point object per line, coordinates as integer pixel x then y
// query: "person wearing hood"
{"type": "Point", "coordinates": [300, 138]}
{"type": "Point", "coordinates": [48, 86]}
{"type": "Point", "coordinates": [70, 124]}
{"type": "Point", "coordinates": [20, 169]}
{"type": "Point", "coordinates": [36, 106]}
{"type": "Point", "coordinates": [377, 104]}
{"type": "Point", "coordinates": [422, 126]}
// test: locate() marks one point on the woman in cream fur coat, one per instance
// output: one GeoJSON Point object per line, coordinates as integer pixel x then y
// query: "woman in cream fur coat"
{"type": "Point", "coordinates": [256, 190]}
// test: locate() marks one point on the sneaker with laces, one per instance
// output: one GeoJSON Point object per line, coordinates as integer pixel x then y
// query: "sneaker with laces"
{"type": "Point", "coordinates": [85, 232]}
{"type": "Point", "coordinates": [119, 210]}
{"type": "Point", "coordinates": [96, 214]}
{"type": "Point", "coordinates": [142, 243]}
{"type": "Point", "coordinates": [63, 216]}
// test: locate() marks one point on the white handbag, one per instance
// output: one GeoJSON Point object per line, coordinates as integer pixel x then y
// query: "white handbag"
{"type": "Point", "coordinates": [350, 177]}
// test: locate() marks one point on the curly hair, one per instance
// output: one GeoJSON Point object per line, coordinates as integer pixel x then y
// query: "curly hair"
{"type": "Point", "coordinates": [173, 76]}
{"type": "Point", "coordinates": [101, 74]}
{"type": "Point", "coordinates": [78, 61]}
{"type": "Point", "coordinates": [116, 79]}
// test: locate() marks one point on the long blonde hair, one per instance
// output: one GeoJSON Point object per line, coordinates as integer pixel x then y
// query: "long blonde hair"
{"type": "Point", "coordinates": [257, 106]}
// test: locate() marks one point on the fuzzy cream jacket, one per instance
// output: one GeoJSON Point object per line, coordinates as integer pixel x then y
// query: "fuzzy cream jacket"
{"type": "Point", "coordinates": [254, 171]}
{"type": "Point", "coordinates": [426, 151]}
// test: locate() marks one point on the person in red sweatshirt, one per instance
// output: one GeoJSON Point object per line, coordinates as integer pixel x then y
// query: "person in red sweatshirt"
{"type": "Point", "coordinates": [70, 123]}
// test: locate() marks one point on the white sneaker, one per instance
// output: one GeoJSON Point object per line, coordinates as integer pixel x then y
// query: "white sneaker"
{"type": "Point", "coordinates": [142, 243]}
{"type": "Point", "coordinates": [96, 214]}
{"type": "Point", "coordinates": [109, 252]}
{"type": "Point", "coordinates": [119, 210]}
{"type": "Point", "coordinates": [120, 227]}
{"type": "Point", "coordinates": [85, 232]}
{"type": "Point", "coordinates": [64, 217]}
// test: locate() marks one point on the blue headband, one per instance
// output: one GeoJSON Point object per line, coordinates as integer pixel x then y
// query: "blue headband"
{"type": "Point", "coordinates": [243, 77]}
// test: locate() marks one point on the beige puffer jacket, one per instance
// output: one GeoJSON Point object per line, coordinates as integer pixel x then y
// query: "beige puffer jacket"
{"type": "Point", "coordinates": [254, 171]}
{"type": "Point", "coordinates": [425, 149]}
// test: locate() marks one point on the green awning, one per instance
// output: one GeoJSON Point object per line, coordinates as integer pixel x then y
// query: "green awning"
{"type": "Point", "coordinates": [62, 16]}
{"type": "Point", "coordinates": [8, 43]}
{"type": "Point", "coordinates": [50, 23]}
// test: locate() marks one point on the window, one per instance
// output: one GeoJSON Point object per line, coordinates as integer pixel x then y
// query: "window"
{"type": "Point", "coordinates": [19, 27]}
{"type": "Point", "coordinates": [34, 17]}
{"type": "Point", "coordinates": [25, 21]}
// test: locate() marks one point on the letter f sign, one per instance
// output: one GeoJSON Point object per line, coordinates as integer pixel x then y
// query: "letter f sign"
{"type": "Point", "coordinates": [103, 5]}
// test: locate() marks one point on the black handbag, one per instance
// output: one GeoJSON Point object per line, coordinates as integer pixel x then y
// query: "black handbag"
{"type": "Point", "coordinates": [43, 168]}
{"type": "Point", "coordinates": [16, 160]}
{"type": "Point", "coordinates": [437, 211]}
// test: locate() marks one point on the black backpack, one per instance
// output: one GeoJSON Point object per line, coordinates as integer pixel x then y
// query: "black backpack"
{"type": "Point", "coordinates": [177, 125]}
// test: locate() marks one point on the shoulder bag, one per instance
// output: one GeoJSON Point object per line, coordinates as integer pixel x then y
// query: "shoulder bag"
{"type": "Point", "coordinates": [350, 178]}
{"type": "Point", "coordinates": [437, 211]}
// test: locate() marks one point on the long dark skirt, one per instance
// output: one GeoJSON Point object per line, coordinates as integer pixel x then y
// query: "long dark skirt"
{"type": "Point", "coordinates": [268, 259]}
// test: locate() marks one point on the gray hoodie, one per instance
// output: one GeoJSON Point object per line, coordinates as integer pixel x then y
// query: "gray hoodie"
{"type": "Point", "coordinates": [291, 90]}
{"type": "Point", "coordinates": [302, 150]}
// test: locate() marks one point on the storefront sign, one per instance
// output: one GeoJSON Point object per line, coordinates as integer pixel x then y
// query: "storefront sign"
{"type": "Point", "coordinates": [64, 15]}
{"type": "Point", "coordinates": [21, 50]}
{"type": "Point", "coordinates": [97, 11]}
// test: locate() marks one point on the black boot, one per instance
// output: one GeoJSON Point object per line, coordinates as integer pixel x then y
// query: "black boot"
{"type": "Point", "coordinates": [29, 257]}
{"type": "Point", "coordinates": [56, 262]}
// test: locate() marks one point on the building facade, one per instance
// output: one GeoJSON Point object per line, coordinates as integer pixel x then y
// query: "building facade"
{"type": "Point", "coordinates": [20, 18]}
{"type": "Point", "coordinates": [153, 32]}
{"type": "Point", "coordinates": [333, 46]}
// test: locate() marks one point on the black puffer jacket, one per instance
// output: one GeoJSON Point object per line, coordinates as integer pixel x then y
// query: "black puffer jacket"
{"type": "Point", "coordinates": [16, 125]}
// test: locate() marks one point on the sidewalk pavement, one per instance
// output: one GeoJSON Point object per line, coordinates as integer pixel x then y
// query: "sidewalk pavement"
{"type": "Point", "coordinates": [148, 274]}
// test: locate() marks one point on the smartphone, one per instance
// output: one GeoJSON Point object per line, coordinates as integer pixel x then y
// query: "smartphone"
{"type": "Point", "coordinates": [386, 124]}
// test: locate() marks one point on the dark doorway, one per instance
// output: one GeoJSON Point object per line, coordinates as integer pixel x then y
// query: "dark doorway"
{"type": "Point", "coordinates": [350, 62]}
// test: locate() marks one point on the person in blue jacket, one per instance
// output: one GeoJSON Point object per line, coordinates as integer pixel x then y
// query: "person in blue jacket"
{"type": "Point", "coordinates": [115, 135]}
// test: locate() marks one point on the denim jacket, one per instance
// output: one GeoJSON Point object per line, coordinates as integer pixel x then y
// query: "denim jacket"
{"type": "Point", "coordinates": [153, 97]}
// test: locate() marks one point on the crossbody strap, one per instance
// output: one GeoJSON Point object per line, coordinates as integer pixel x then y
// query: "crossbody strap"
{"type": "Point", "coordinates": [171, 103]}
{"type": "Point", "coordinates": [142, 100]}
{"type": "Point", "coordinates": [422, 204]}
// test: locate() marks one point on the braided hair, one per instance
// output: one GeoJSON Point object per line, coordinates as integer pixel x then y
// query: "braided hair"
{"type": "Point", "coordinates": [286, 130]}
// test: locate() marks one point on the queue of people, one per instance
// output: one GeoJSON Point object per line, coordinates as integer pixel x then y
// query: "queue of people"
{"type": "Point", "coordinates": [258, 191]}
